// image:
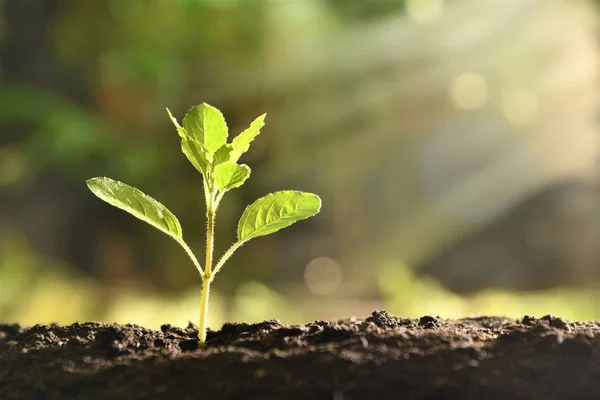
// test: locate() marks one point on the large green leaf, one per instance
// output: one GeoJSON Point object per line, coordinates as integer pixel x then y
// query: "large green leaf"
{"type": "Point", "coordinates": [241, 143]}
{"type": "Point", "coordinates": [206, 125]}
{"type": "Point", "coordinates": [136, 203]}
{"type": "Point", "coordinates": [230, 175]}
{"type": "Point", "coordinates": [276, 211]}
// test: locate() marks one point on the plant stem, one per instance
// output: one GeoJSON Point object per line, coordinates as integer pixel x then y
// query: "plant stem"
{"type": "Point", "coordinates": [210, 233]}
{"type": "Point", "coordinates": [203, 312]}
{"type": "Point", "coordinates": [210, 230]}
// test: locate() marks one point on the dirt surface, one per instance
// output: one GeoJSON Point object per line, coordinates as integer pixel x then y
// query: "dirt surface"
{"type": "Point", "coordinates": [382, 357]}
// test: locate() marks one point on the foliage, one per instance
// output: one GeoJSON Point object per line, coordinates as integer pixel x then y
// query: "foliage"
{"type": "Point", "coordinates": [204, 142]}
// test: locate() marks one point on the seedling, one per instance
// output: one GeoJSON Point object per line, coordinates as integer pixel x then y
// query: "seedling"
{"type": "Point", "coordinates": [204, 143]}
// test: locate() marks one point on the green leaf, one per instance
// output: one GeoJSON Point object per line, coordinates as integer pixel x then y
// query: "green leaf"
{"type": "Point", "coordinates": [206, 125]}
{"type": "Point", "coordinates": [223, 154]}
{"type": "Point", "coordinates": [276, 211]}
{"type": "Point", "coordinates": [136, 203]}
{"type": "Point", "coordinates": [182, 133]}
{"type": "Point", "coordinates": [241, 143]}
{"type": "Point", "coordinates": [195, 154]}
{"type": "Point", "coordinates": [230, 175]}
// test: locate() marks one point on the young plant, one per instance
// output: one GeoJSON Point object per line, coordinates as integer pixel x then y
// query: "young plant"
{"type": "Point", "coordinates": [204, 143]}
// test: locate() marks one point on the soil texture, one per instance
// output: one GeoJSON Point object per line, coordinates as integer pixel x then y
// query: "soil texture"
{"type": "Point", "coordinates": [380, 357]}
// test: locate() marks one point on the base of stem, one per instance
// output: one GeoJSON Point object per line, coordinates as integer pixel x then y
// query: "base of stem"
{"type": "Point", "coordinates": [203, 323]}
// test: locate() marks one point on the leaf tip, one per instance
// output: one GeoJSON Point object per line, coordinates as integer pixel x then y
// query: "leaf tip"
{"type": "Point", "coordinates": [173, 119]}
{"type": "Point", "coordinates": [91, 181]}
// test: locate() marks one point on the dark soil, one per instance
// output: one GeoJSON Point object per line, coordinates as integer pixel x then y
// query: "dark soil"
{"type": "Point", "coordinates": [382, 357]}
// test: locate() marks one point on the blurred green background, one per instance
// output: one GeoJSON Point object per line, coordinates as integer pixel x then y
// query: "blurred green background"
{"type": "Point", "coordinates": [454, 144]}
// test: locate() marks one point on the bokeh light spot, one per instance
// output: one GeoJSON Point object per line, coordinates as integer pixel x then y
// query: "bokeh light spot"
{"type": "Point", "coordinates": [323, 275]}
{"type": "Point", "coordinates": [469, 91]}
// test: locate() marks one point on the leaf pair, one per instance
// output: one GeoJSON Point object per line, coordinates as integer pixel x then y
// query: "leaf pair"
{"type": "Point", "coordinates": [266, 215]}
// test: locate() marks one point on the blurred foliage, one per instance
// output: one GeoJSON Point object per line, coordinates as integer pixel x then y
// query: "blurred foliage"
{"type": "Point", "coordinates": [356, 92]}
{"type": "Point", "coordinates": [358, 10]}
{"type": "Point", "coordinates": [57, 294]}
{"type": "Point", "coordinates": [412, 296]}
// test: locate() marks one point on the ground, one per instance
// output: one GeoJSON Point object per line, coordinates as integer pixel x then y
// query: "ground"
{"type": "Point", "coordinates": [381, 357]}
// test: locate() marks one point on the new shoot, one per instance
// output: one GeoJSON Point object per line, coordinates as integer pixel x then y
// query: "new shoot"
{"type": "Point", "coordinates": [203, 135]}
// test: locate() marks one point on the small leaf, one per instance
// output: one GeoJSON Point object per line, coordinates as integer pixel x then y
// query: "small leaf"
{"type": "Point", "coordinates": [136, 203]}
{"type": "Point", "coordinates": [206, 125]}
{"type": "Point", "coordinates": [241, 143]}
{"type": "Point", "coordinates": [230, 175]}
{"type": "Point", "coordinates": [222, 154]}
{"type": "Point", "coordinates": [276, 211]}
{"type": "Point", "coordinates": [195, 154]}
{"type": "Point", "coordinates": [182, 133]}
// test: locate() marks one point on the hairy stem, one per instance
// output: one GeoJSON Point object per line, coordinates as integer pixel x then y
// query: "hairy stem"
{"type": "Point", "coordinates": [203, 312]}
{"type": "Point", "coordinates": [210, 233]}
{"type": "Point", "coordinates": [210, 238]}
